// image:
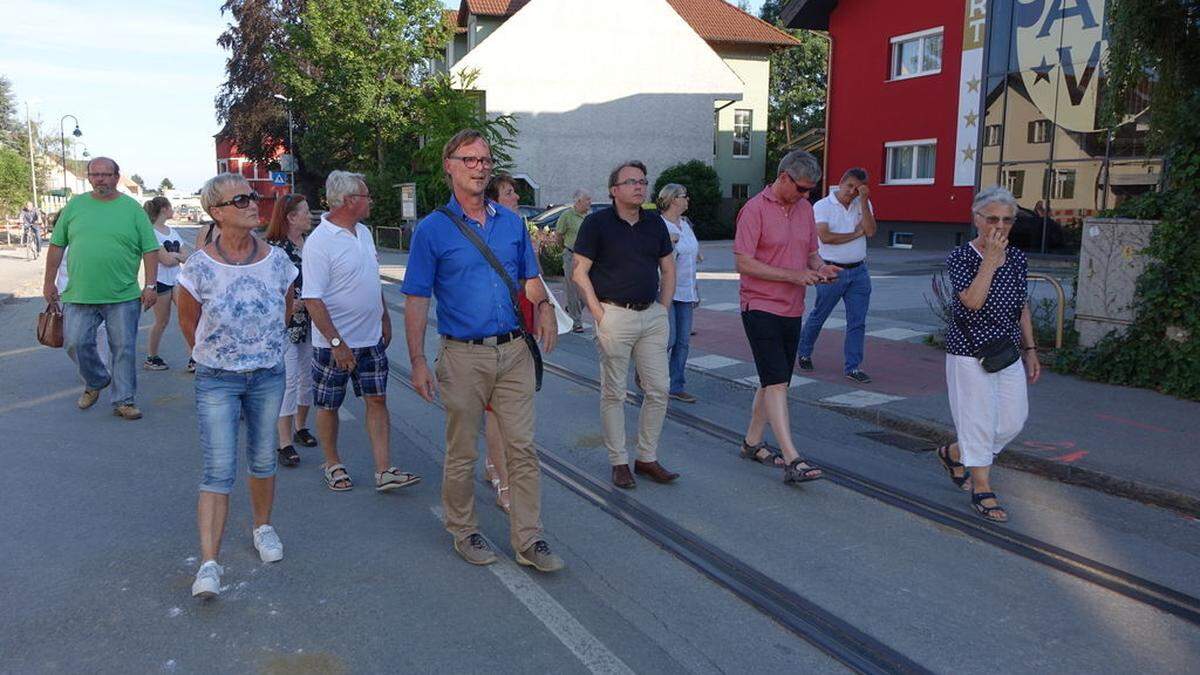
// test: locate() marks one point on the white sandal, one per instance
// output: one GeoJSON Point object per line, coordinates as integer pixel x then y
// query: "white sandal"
{"type": "Point", "coordinates": [394, 478]}
{"type": "Point", "coordinates": [332, 482]}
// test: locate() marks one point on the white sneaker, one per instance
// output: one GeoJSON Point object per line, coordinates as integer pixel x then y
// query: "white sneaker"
{"type": "Point", "coordinates": [208, 581]}
{"type": "Point", "coordinates": [270, 549]}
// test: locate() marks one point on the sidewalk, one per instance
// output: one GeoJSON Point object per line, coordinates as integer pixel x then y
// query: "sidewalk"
{"type": "Point", "coordinates": [1128, 442]}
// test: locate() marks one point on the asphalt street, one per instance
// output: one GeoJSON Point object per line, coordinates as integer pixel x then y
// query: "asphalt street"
{"type": "Point", "coordinates": [99, 547]}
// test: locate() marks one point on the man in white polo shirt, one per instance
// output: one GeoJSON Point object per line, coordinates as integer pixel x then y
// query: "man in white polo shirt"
{"type": "Point", "coordinates": [845, 219]}
{"type": "Point", "coordinates": [351, 328]}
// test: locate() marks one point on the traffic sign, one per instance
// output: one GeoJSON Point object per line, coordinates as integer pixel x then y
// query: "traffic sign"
{"type": "Point", "coordinates": [279, 177]}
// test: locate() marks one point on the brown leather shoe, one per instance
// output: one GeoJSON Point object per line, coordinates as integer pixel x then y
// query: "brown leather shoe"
{"type": "Point", "coordinates": [655, 471]}
{"type": "Point", "coordinates": [622, 478]}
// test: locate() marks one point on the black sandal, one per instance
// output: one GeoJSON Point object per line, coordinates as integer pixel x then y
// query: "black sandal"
{"type": "Point", "coordinates": [754, 453]}
{"type": "Point", "coordinates": [943, 454]}
{"type": "Point", "coordinates": [288, 456]}
{"type": "Point", "coordinates": [794, 473]}
{"type": "Point", "coordinates": [988, 512]}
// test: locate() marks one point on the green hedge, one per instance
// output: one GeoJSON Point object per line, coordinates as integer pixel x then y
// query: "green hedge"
{"type": "Point", "coordinates": [704, 189]}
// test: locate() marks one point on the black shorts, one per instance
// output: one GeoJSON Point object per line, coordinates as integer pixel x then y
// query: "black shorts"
{"type": "Point", "coordinates": [774, 340]}
{"type": "Point", "coordinates": [160, 287]}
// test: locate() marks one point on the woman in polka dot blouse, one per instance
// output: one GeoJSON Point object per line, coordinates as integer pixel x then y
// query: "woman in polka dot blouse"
{"type": "Point", "coordinates": [990, 303]}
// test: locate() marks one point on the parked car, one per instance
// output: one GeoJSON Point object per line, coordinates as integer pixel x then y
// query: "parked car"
{"type": "Point", "coordinates": [528, 210]}
{"type": "Point", "coordinates": [1026, 233]}
{"type": "Point", "coordinates": [549, 217]}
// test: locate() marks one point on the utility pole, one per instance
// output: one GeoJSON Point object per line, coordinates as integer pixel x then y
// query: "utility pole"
{"type": "Point", "coordinates": [32, 166]}
{"type": "Point", "coordinates": [291, 143]}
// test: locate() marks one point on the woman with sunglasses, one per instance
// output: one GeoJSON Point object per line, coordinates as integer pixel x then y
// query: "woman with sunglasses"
{"type": "Point", "coordinates": [672, 203]}
{"type": "Point", "coordinates": [290, 221]}
{"type": "Point", "coordinates": [234, 297]}
{"type": "Point", "coordinates": [990, 349]}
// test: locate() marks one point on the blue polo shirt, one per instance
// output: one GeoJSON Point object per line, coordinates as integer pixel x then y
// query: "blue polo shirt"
{"type": "Point", "coordinates": [472, 300]}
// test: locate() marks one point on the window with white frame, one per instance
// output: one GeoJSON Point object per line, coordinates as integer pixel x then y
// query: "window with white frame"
{"type": "Point", "coordinates": [911, 162]}
{"type": "Point", "coordinates": [991, 135]}
{"type": "Point", "coordinates": [741, 132]}
{"type": "Point", "coordinates": [740, 191]}
{"type": "Point", "coordinates": [916, 54]}
{"type": "Point", "coordinates": [1014, 182]}
{"type": "Point", "coordinates": [1058, 184]}
{"type": "Point", "coordinates": [1039, 131]}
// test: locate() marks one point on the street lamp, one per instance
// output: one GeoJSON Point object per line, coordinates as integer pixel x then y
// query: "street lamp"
{"type": "Point", "coordinates": [62, 135]}
{"type": "Point", "coordinates": [32, 163]}
{"type": "Point", "coordinates": [291, 145]}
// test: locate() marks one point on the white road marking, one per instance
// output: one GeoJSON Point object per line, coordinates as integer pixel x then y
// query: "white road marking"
{"type": "Point", "coordinates": [721, 306]}
{"type": "Point", "coordinates": [896, 333]}
{"type": "Point", "coordinates": [861, 399]}
{"type": "Point", "coordinates": [23, 350]}
{"type": "Point", "coordinates": [712, 361]}
{"type": "Point", "coordinates": [797, 381]}
{"type": "Point", "coordinates": [586, 647]}
{"type": "Point", "coordinates": [33, 403]}
{"type": "Point", "coordinates": [719, 276]}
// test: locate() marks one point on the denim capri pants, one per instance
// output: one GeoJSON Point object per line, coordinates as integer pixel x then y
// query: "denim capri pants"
{"type": "Point", "coordinates": [223, 399]}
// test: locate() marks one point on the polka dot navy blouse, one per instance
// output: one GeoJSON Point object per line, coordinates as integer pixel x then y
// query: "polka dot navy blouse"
{"type": "Point", "coordinates": [1001, 312]}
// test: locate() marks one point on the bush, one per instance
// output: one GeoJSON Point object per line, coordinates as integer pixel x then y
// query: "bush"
{"type": "Point", "coordinates": [549, 249]}
{"type": "Point", "coordinates": [704, 188]}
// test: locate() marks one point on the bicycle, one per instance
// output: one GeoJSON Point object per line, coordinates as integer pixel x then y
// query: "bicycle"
{"type": "Point", "coordinates": [30, 241]}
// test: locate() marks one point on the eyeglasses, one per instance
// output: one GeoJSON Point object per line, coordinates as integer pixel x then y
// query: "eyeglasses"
{"type": "Point", "coordinates": [473, 162]}
{"type": "Point", "coordinates": [630, 182]}
{"type": "Point", "coordinates": [360, 194]}
{"type": "Point", "coordinates": [802, 189]}
{"type": "Point", "coordinates": [107, 174]}
{"type": "Point", "coordinates": [995, 220]}
{"type": "Point", "coordinates": [684, 196]}
{"type": "Point", "coordinates": [240, 201]}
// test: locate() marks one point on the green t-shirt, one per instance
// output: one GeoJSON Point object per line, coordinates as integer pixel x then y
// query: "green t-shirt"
{"type": "Point", "coordinates": [568, 226]}
{"type": "Point", "coordinates": [107, 240]}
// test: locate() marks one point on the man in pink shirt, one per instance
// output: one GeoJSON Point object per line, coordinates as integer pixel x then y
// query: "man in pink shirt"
{"type": "Point", "coordinates": [776, 253]}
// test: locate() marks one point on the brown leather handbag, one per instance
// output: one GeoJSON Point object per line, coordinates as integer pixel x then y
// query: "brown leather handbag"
{"type": "Point", "coordinates": [50, 326]}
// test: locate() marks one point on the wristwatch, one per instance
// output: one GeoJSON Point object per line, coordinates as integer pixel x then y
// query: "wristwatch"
{"type": "Point", "coordinates": [149, 287]}
{"type": "Point", "coordinates": [335, 342]}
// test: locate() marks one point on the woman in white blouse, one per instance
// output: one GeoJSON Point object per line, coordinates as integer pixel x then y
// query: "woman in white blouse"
{"type": "Point", "coordinates": [234, 297]}
{"type": "Point", "coordinates": [672, 203]}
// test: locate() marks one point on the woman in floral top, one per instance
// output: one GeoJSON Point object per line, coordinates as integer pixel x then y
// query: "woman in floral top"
{"type": "Point", "coordinates": [289, 223]}
{"type": "Point", "coordinates": [234, 298]}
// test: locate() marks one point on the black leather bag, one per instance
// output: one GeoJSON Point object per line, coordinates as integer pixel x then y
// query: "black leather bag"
{"type": "Point", "coordinates": [994, 355]}
{"type": "Point", "coordinates": [488, 255]}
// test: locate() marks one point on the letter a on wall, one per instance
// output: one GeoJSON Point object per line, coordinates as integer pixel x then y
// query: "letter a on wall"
{"type": "Point", "coordinates": [1060, 47]}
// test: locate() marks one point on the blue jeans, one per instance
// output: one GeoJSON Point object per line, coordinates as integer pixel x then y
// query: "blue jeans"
{"type": "Point", "coordinates": [853, 286]}
{"type": "Point", "coordinates": [223, 397]}
{"type": "Point", "coordinates": [679, 342]}
{"type": "Point", "coordinates": [121, 322]}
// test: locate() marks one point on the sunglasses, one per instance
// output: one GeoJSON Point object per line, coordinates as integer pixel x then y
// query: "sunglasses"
{"type": "Point", "coordinates": [995, 220]}
{"type": "Point", "coordinates": [803, 190]}
{"type": "Point", "coordinates": [240, 201]}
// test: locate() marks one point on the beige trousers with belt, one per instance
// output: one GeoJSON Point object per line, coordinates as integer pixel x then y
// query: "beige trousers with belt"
{"type": "Point", "coordinates": [470, 378]}
{"type": "Point", "coordinates": [622, 334]}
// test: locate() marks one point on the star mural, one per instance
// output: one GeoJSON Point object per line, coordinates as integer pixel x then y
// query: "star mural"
{"type": "Point", "coordinates": [971, 118]}
{"type": "Point", "coordinates": [973, 84]}
{"type": "Point", "coordinates": [968, 153]}
{"type": "Point", "coordinates": [1042, 72]}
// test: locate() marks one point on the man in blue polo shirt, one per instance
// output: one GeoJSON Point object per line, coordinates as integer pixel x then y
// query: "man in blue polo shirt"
{"type": "Point", "coordinates": [483, 359]}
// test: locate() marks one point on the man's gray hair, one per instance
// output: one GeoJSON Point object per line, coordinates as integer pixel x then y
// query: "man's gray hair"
{"type": "Point", "coordinates": [580, 194]}
{"type": "Point", "coordinates": [993, 195]}
{"type": "Point", "coordinates": [214, 189]}
{"type": "Point", "coordinates": [340, 185]}
{"type": "Point", "coordinates": [801, 165]}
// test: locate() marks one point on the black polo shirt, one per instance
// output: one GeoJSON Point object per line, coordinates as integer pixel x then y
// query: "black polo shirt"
{"type": "Point", "coordinates": [624, 257]}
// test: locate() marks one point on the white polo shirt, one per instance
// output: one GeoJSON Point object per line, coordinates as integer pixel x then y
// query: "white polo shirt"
{"type": "Point", "coordinates": [841, 220]}
{"type": "Point", "coordinates": [341, 268]}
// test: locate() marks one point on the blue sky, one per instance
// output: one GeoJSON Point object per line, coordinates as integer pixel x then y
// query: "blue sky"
{"type": "Point", "coordinates": [140, 76]}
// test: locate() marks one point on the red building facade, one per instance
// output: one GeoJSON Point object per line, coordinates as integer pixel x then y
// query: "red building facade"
{"type": "Point", "coordinates": [230, 160]}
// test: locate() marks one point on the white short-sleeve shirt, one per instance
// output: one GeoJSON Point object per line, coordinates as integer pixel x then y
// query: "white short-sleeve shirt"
{"type": "Point", "coordinates": [841, 220]}
{"type": "Point", "coordinates": [341, 269]}
{"type": "Point", "coordinates": [686, 250]}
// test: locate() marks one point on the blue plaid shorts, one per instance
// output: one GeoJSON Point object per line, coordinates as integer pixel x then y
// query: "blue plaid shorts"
{"type": "Point", "coordinates": [369, 376]}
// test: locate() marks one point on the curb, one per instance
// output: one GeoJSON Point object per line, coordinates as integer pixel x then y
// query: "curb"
{"type": "Point", "coordinates": [938, 434]}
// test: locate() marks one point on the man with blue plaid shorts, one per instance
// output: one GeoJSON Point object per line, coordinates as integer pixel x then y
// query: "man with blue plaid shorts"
{"type": "Point", "coordinates": [351, 328]}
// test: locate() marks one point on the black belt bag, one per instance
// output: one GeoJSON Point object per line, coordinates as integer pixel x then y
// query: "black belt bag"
{"type": "Point", "coordinates": [488, 255]}
{"type": "Point", "coordinates": [996, 355]}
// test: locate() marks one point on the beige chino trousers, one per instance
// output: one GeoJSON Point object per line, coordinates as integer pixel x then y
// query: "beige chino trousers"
{"type": "Point", "coordinates": [470, 378]}
{"type": "Point", "coordinates": [622, 334]}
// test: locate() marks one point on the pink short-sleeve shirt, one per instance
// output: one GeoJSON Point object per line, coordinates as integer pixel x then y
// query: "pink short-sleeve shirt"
{"type": "Point", "coordinates": [771, 232]}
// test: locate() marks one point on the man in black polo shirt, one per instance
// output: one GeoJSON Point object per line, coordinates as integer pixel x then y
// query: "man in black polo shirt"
{"type": "Point", "coordinates": [621, 253]}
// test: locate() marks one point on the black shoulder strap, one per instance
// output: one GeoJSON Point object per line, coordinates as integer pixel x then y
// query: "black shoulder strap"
{"type": "Point", "coordinates": [490, 256]}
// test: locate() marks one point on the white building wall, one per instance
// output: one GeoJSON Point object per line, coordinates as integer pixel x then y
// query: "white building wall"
{"type": "Point", "coordinates": [596, 83]}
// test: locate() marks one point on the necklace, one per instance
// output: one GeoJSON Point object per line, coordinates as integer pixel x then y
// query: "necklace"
{"type": "Point", "coordinates": [248, 259]}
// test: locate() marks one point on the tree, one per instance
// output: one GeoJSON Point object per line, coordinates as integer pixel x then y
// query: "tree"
{"type": "Point", "coordinates": [12, 130]}
{"type": "Point", "coordinates": [166, 184]}
{"type": "Point", "coordinates": [141, 182]}
{"type": "Point", "coordinates": [1155, 45]}
{"type": "Point", "coordinates": [704, 192]}
{"type": "Point", "coordinates": [14, 181]}
{"type": "Point", "coordinates": [796, 102]}
{"type": "Point", "coordinates": [354, 67]}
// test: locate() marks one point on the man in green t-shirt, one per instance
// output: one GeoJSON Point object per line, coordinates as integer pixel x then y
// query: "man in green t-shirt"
{"type": "Point", "coordinates": [567, 227]}
{"type": "Point", "coordinates": [108, 233]}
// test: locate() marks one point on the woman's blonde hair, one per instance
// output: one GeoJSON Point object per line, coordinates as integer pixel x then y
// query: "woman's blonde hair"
{"type": "Point", "coordinates": [669, 193]}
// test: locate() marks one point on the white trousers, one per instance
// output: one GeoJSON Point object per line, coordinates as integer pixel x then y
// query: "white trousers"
{"type": "Point", "coordinates": [989, 409]}
{"type": "Point", "coordinates": [297, 363]}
